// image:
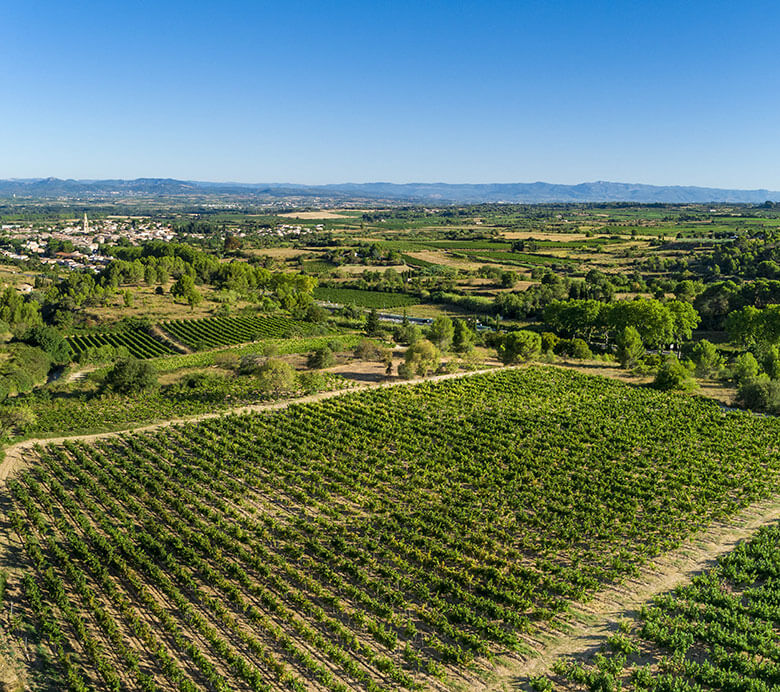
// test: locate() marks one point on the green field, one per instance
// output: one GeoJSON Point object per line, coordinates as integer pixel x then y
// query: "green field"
{"type": "Point", "coordinates": [138, 343]}
{"type": "Point", "coordinates": [719, 632]}
{"type": "Point", "coordinates": [213, 332]}
{"type": "Point", "coordinates": [364, 299]}
{"type": "Point", "coordinates": [369, 541]}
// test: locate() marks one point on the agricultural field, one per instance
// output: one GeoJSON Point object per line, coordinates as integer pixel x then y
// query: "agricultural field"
{"type": "Point", "coordinates": [139, 344]}
{"type": "Point", "coordinates": [719, 632]}
{"type": "Point", "coordinates": [364, 299]}
{"type": "Point", "coordinates": [213, 332]}
{"type": "Point", "coordinates": [376, 540]}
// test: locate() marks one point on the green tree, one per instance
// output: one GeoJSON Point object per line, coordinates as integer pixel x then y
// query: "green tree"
{"type": "Point", "coordinates": [321, 358]}
{"type": "Point", "coordinates": [184, 289]}
{"type": "Point", "coordinates": [519, 346]}
{"type": "Point", "coordinates": [744, 367]}
{"type": "Point", "coordinates": [707, 359]}
{"type": "Point", "coordinates": [549, 341]}
{"type": "Point", "coordinates": [277, 377]}
{"type": "Point", "coordinates": [131, 375]}
{"type": "Point", "coordinates": [630, 349]}
{"type": "Point", "coordinates": [372, 323]}
{"type": "Point", "coordinates": [673, 375]}
{"type": "Point", "coordinates": [441, 332]}
{"type": "Point", "coordinates": [463, 337]}
{"type": "Point", "coordinates": [422, 358]}
{"type": "Point", "coordinates": [770, 361]}
{"type": "Point", "coordinates": [49, 340]}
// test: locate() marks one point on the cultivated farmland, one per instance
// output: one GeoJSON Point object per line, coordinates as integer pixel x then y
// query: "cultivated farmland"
{"type": "Point", "coordinates": [212, 332]}
{"type": "Point", "coordinates": [138, 343]}
{"type": "Point", "coordinates": [372, 541]}
{"type": "Point", "coordinates": [719, 632]}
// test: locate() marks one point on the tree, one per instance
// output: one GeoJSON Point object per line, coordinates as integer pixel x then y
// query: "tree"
{"type": "Point", "coordinates": [549, 341]}
{"type": "Point", "coordinates": [17, 418]}
{"type": "Point", "coordinates": [276, 377]}
{"type": "Point", "coordinates": [630, 349]}
{"type": "Point", "coordinates": [519, 346]}
{"type": "Point", "coordinates": [441, 332]}
{"type": "Point", "coordinates": [462, 338]}
{"type": "Point", "coordinates": [321, 358]}
{"type": "Point", "coordinates": [184, 288]}
{"type": "Point", "coordinates": [744, 367]}
{"type": "Point", "coordinates": [673, 375]}
{"type": "Point", "coordinates": [706, 358]}
{"type": "Point", "coordinates": [316, 314]}
{"type": "Point", "coordinates": [771, 362]}
{"type": "Point", "coordinates": [422, 358]}
{"type": "Point", "coordinates": [760, 393]}
{"type": "Point", "coordinates": [372, 323]}
{"type": "Point", "coordinates": [573, 348]}
{"type": "Point", "coordinates": [131, 375]}
{"type": "Point", "coordinates": [49, 340]}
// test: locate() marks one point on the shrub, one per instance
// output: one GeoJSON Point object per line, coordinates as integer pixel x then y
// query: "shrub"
{"type": "Point", "coordinates": [130, 375]}
{"type": "Point", "coordinates": [573, 348]}
{"type": "Point", "coordinates": [519, 346]}
{"type": "Point", "coordinates": [744, 367]}
{"type": "Point", "coordinates": [321, 358]}
{"type": "Point", "coordinates": [422, 358]}
{"type": "Point", "coordinates": [760, 394]}
{"type": "Point", "coordinates": [673, 375]}
{"type": "Point", "coordinates": [276, 377]}
{"type": "Point", "coordinates": [50, 341]}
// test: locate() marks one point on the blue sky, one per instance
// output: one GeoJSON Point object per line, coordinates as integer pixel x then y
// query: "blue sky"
{"type": "Point", "coordinates": [316, 92]}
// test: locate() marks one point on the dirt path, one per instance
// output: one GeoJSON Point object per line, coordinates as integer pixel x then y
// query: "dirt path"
{"type": "Point", "coordinates": [588, 626]}
{"type": "Point", "coordinates": [166, 338]}
{"type": "Point", "coordinates": [15, 455]}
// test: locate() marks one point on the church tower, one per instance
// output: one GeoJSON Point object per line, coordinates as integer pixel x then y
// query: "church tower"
{"type": "Point", "coordinates": [85, 224]}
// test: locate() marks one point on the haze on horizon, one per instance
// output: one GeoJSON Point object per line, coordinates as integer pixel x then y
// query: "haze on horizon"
{"type": "Point", "coordinates": [564, 92]}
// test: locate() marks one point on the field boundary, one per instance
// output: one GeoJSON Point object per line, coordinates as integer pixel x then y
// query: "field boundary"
{"type": "Point", "coordinates": [588, 625]}
{"type": "Point", "coordinates": [15, 454]}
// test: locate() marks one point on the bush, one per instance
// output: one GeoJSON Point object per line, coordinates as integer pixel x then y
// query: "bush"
{"type": "Point", "coordinates": [35, 362]}
{"type": "Point", "coordinates": [276, 377]}
{"type": "Point", "coordinates": [50, 341]}
{"type": "Point", "coordinates": [573, 348]}
{"type": "Point", "coordinates": [760, 394]}
{"type": "Point", "coordinates": [706, 358]}
{"type": "Point", "coordinates": [130, 375]}
{"type": "Point", "coordinates": [422, 358]}
{"type": "Point", "coordinates": [321, 358]}
{"type": "Point", "coordinates": [519, 346]}
{"type": "Point", "coordinates": [371, 351]}
{"type": "Point", "coordinates": [673, 375]}
{"type": "Point", "coordinates": [549, 340]}
{"type": "Point", "coordinates": [744, 367]}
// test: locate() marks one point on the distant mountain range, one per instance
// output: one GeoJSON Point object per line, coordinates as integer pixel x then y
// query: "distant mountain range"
{"type": "Point", "coordinates": [424, 193]}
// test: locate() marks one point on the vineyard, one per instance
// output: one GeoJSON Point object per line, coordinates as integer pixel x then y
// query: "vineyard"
{"type": "Point", "coordinates": [370, 541]}
{"type": "Point", "coordinates": [212, 332]}
{"type": "Point", "coordinates": [138, 343]}
{"type": "Point", "coordinates": [365, 299]}
{"type": "Point", "coordinates": [720, 632]}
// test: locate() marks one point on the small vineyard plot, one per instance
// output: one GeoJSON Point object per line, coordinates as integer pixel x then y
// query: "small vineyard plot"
{"type": "Point", "coordinates": [138, 343]}
{"type": "Point", "coordinates": [212, 332]}
{"type": "Point", "coordinates": [369, 541]}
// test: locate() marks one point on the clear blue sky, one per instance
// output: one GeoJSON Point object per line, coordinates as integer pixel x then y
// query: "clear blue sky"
{"type": "Point", "coordinates": [314, 92]}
